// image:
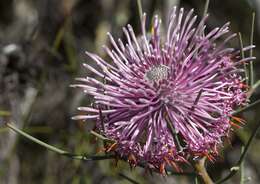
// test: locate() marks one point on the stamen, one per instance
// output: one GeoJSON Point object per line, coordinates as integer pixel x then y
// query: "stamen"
{"type": "Point", "coordinates": [157, 73]}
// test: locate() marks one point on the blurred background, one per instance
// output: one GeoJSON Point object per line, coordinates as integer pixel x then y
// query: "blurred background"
{"type": "Point", "coordinates": [42, 46]}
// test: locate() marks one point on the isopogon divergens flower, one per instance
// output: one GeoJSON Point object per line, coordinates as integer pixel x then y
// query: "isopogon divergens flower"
{"type": "Point", "coordinates": [166, 100]}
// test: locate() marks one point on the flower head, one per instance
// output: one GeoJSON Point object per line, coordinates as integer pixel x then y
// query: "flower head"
{"type": "Point", "coordinates": [167, 97]}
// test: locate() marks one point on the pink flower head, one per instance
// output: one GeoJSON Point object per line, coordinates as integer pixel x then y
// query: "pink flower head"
{"type": "Point", "coordinates": [167, 96]}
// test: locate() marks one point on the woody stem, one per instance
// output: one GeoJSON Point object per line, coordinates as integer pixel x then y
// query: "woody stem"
{"type": "Point", "coordinates": [199, 166]}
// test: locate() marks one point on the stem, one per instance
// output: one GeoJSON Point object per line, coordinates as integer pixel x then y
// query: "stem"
{"type": "Point", "coordinates": [128, 178]}
{"type": "Point", "coordinates": [196, 100]}
{"type": "Point", "coordinates": [55, 149]}
{"type": "Point", "coordinates": [82, 157]}
{"type": "Point", "coordinates": [248, 144]}
{"type": "Point", "coordinates": [140, 10]}
{"type": "Point", "coordinates": [243, 55]}
{"type": "Point", "coordinates": [196, 180]}
{"type": "Point", "coordinates": [236, 168]}
{"type": "Point", "coordinates": [205, 11]}
{"type": "Point", "coordinates": [253, 88]}
{"type": "Point", "coordinates": [60, 35]}
{"type": "Point", "coordinates": [37, 141]}
{"type": "Point", "coordinates": [4, 113]}
{"type": "Point", "coordinates": [101, 137]}
{"type": "Point", "coordinates": [174, 133]}
{"type": "Point", "coordinates": [90, 158]}
{"type": "Point", "coordinates": [251, 50]}
{"type": "Point", "coordinates": [242, 168]}
{"type": "Point", "coordinates": [247, 107]}
{"type": "Point", "coordinates": [201, 170]}
{"type": "Point", "coordinates": [206, 7]}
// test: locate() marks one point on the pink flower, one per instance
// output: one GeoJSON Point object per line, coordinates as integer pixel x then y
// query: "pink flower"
{"type": "Point", "coordinates": [167, 97]}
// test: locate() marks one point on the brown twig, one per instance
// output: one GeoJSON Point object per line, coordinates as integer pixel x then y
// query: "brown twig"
{"type": "Point", "coordinates": [199, 166]}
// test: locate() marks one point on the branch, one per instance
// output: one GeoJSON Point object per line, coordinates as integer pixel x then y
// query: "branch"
{"type": "Point", "coordinates": [57, 150]}
{"type": "Point", "coordinates": [201, 170]}
{"type": "Point", "coordinates": [128, 178]}
{"type": "Point", "coordinates": [246, 108]}
{"type": "Point", "coordinates": [84, 157]}
{"type": "Point", "coordinates": [251, 50]}
{"type": "Point", "coordinates": [236, 168]}
{"type": "Point", "coordinates": [253, 88]}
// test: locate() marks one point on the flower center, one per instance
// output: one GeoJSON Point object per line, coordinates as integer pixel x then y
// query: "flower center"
{"type": "Point", "coordinates": [157, 73]}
